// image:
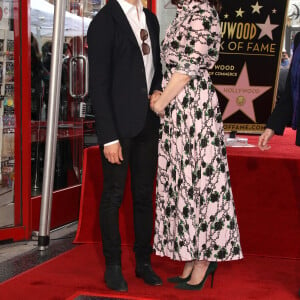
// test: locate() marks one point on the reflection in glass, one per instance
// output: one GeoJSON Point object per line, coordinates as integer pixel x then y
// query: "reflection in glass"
{"type": "Point", "coordinates": [75, 113]}
{"type": "Point", "coordinates": [7, 117]}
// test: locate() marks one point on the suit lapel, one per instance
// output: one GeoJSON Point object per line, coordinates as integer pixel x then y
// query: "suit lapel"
{"type": "Point", "coordinates": [121, 18]}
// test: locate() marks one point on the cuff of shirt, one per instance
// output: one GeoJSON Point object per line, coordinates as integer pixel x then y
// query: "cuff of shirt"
{"type": "Point", "coordinates": [111, 143]}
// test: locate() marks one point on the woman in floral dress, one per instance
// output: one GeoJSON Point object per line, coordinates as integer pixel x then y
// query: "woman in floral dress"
{"type": "Point", "coordinates": [195, 213]}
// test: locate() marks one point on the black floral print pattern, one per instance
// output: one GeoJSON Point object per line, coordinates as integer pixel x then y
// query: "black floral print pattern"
{"type": "Point", "coordinates": [195, 213]}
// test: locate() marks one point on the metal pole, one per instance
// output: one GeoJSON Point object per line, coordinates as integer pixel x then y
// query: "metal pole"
{"type": "Point", "coordinates": [52, 123]}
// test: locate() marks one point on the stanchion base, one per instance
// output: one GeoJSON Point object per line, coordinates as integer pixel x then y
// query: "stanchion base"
{"type": "Point", "coordinates": [43, 242]}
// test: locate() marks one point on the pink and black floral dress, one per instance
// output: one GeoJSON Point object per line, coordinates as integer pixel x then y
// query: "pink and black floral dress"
{"type": "Point", "coordinates": [195, 213]}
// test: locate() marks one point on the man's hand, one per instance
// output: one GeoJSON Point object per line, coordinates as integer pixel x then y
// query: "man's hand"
{"type": "Point", "coordinates": [264, 139]}
{"type": "Point", "coordinates": [113, 153]}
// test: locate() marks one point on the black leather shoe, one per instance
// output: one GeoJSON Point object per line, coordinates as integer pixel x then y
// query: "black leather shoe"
{"type": "Point", "coordinates": [114, 278]}
{"type": "Point", "coordinates": [210, 271]}
{"type": "Point", "coordinates": [145, 272]}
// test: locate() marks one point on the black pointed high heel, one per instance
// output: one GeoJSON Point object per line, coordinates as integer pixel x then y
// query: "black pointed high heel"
{"type": "Point", "coordinates": [178, 279]}
{"type": "Point", "coordinates": [210, 270]}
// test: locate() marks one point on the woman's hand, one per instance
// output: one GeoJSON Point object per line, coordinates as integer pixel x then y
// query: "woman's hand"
{"type": "Point", "coordinates": [176, 84]}
{"type": "Point", "coordinates": [264, 139]}
{"type": "Point", "coordinates": [156, 107]}
{"type": "Point", "coordinates": [155, 95]}
{"type": "Point", "coordinates": [155, 104]}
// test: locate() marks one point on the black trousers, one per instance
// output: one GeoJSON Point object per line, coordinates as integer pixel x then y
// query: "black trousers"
{"type": "Point", "coordinates": [140, 155]}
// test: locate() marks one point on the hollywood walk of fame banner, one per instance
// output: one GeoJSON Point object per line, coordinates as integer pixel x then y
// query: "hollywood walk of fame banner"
{"type": "Point", "coordinates": [246, 74]}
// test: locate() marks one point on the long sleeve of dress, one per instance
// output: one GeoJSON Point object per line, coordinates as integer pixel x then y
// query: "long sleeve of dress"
{"type": "Point", "coordinates": [194, 44]}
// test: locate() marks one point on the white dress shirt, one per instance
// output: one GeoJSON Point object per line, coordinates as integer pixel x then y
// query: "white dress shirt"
{"type": "Point", "coordinates": [137, 20]}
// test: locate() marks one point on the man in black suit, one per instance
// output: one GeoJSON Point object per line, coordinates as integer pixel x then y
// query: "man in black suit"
{"type": "Point", "coordinates": [282, 114]}
{"type": "Point", "coordinates": [125, 68]}
{"type": "Point", "coordinates": [279, 119]}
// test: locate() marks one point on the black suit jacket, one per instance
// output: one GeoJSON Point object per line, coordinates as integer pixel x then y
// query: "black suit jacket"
{"type": "Point", "coordinates": [283, 112]}
{"type": "Point", "coordinates": [118, 86]}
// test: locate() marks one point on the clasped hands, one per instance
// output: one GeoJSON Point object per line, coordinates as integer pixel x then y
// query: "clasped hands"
{"type": "Point", "coordinates": [155, 105]}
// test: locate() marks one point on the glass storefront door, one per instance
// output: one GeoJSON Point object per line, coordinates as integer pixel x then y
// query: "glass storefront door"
{"type": "Point", "coordinates": [10, 102]}
{"type": "Point", "coordinates": [74, 91]}
{"type": "Point", "coordinates": [75, 113]}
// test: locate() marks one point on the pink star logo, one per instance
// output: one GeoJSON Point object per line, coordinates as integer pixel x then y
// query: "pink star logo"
{"type": "Point", "coordinates": [267, 28]}
{"type": "Point", "coordinates": [241, 95]}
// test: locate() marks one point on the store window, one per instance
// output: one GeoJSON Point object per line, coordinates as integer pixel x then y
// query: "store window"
{"type": "Point", "coordinates": [7, 114]}
{"type": "Point", "coordinates": [74, 108]}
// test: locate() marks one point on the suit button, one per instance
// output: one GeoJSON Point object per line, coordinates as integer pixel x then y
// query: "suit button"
{"type": "Point", "coordinates": [143, 90]}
